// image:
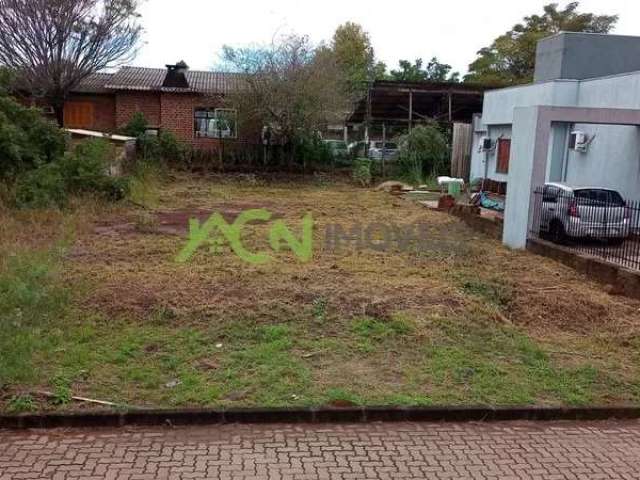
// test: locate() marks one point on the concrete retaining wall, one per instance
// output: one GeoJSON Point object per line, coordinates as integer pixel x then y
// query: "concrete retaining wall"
{"type": "Point", "coordinates": [621, 280]}
{"type": "Point", "coordinates": [470, 215]}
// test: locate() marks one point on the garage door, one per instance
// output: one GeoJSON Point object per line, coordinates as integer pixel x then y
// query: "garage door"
{"type": "Point", "coordinates": [78, 115]}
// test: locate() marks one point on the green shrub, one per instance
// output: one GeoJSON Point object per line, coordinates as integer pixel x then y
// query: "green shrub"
{"type": "Point", "coordinates": [27, 139]}
{"type": "Point", "coordinates": [161, 150]}
{"type": "Point", "coordinates": [312, 151]}
{"type": "Point", "coordinates": [362, 171]}
{"type": "Point", "coordinates": [423, 151]}
{"type": "Point", "coordinates": [171, 149]}
{"type": "Point", "coordinates": [86, 166]}
{"type": "Point", "coordinates": [41, 188]}
{"type": "Point", "coordinates": [7, 79]}
{"type": "Point", "coordinates": [84, 170]}
{"type": "Point", "coordinates": [148, 147]}
{"type": "Point", "coordinates": [136, 126]}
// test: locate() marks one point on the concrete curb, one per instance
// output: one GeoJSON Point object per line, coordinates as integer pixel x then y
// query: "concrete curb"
{"type": "Point", "coordinates": [622, 280]}
{"type": "Point", "coordinates": [311, 415]}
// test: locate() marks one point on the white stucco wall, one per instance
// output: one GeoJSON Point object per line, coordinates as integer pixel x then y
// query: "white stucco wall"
{"type": "Point", "coordinates": [516, 214]}
{"type": "Point", "coordinates": [498, 105]}
{"type": "Point", "coordinates": [478, 158]}
{"type": "Point", "coordinates": [619, 91]}
{"type": "Point", "coordinates": [613, 160]}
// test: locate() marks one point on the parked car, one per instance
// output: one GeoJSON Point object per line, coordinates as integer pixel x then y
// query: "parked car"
{"type": "Point", "coordinates": [585, 212]}
{"type": "Point", "coordinates": [357, 149]}
{"type": "Point", "coordinates": [380, 150]}
{"type": "Point", "coordinates": [338, 148]}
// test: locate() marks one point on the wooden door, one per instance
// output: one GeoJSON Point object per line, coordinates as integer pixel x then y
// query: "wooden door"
{"type": "Point", "coordinates": [78, 114]}
{"type": "Point", "coordinates": [504, 153]}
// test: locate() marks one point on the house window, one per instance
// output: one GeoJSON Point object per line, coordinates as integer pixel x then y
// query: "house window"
{"type": "Point", "coordinates": [215, 123]}
{"type": "Point", "coordinates": [504, 152]}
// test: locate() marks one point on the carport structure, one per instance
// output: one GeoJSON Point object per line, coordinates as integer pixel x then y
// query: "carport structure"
{"type": "Point", "coordinates": [532, 151]}
{"type": "Point", "coordinates": [399, 103]}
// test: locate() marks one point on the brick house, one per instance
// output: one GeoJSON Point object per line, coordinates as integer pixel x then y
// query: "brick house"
{"type": "Point", "coordinates": [185, 102]}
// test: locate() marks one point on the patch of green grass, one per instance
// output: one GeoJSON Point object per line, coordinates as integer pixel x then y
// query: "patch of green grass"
{"type": "Point", "coordinates": [31, 301]}
{"type": "Point", "coordinates": [320, 309]}
{"type": "Point", "coordinates": [261, 366]}
{"type": "Point", "coordinates": [21, 403]}
{"type": "Point", "coordinates": [491, 365]}
{"type": "Point", "coordinates": [370, 332]}
{"type": "Point", "coordinates": [144, 185]}
{"type": "Point", "coordinates": [367, 327]}
{"type": "Point", "coordinates": [244, 361]}
{"type": "Point", "coordinates": [495, 292]}
{"type": "Point", "coordinates": [62, 391]}
{"type": "Point", "coordinates": [342, 397]}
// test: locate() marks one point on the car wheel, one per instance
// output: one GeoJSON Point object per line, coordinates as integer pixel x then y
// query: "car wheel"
{"type": "Point", "coordinates": [558, 234]}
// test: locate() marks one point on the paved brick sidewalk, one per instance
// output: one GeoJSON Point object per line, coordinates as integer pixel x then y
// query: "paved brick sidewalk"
{"type": "Point", "coordinates": [562, 450]}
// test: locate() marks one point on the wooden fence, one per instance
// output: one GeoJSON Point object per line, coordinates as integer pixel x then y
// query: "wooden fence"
{"type": "Point", "coordinates": [461, 150]}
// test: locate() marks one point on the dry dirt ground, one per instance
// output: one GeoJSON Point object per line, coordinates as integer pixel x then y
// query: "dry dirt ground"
{"type": "Point", "coordinates": [454, 318]}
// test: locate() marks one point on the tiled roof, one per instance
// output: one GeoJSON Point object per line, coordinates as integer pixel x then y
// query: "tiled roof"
{"type": "Point", "coordinates": [94, 83]}
{"type": "Point", "coordinates": [140, 78]}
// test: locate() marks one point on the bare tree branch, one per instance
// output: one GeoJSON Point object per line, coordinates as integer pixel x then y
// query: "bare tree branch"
{"type": "Point", "coordinates": [289, 85]}
{"type": "Point", "coordinates": [53, 45]}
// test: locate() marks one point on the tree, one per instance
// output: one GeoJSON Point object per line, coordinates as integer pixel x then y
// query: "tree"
{"type": "Point", "coordinates": [52, 45]}
{"type": "Point", "coordinates": [433, 72]}
{"type": "Point", "coordinates": [422, 151]}
{"type": "Point", "coordinates": [355, 57]}
{"type": "Point", "coordinates": [27, 139]}
{"type": "Point", "coordinates": [6, 80]}
{"type": "Point", "coordinates": [511, 57]}
{"type": "Point", "coordinates": [289, 86]}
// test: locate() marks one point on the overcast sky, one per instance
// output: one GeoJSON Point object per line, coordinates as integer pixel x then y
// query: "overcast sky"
{"type": "Point", "coordinates": [195, 30]}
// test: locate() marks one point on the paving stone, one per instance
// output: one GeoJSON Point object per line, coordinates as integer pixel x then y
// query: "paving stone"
{"type": "Point", "coordinates": [503, 450]}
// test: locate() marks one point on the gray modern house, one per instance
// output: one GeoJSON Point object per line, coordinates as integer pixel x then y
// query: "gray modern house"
{"type": "Point", "coordinates": [577, 123]}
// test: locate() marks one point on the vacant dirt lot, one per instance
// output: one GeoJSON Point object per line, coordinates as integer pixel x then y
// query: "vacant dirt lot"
{"type": "Point", "coordinates": [453, 318]}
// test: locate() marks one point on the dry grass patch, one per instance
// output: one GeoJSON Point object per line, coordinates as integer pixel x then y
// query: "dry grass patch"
{"type": "Point", "coordinates": [462, 320]}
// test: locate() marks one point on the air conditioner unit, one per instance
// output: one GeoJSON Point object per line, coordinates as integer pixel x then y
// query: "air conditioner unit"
{"type": "Point", "coordinates": [578, 141]}
{"type": "Point", "coordinates": [485, 144]}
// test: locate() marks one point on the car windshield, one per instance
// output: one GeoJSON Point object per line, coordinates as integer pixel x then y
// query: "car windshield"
{"type": "Point", "coordinates": [598, 196]}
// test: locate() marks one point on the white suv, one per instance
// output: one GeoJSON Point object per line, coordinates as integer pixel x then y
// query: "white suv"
{"type": "Point", "coordinates": [584, 212]}
{"type": "Point", "coordinates": [383, 150]}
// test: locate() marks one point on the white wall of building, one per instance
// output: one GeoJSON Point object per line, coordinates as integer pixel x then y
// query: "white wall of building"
{"type": "Point", "coordinates": [478, 157]}
{"type": "Point", "coordinates": [619, 91]}
{"type": "Point", "coordinates": [516, 214]}
{"type": "Point", "coordinates": [498, 105]}
{"type": "Point", "coordinates": [613, 158]}
{"type": "Point", "coordinates": [612, 161]}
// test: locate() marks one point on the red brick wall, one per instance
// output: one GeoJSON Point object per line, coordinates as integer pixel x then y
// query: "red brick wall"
{"type": "Point", "coordinates": [128, 103]}
{"type": "Point", "coordinates": [104, 111]}
{"type": "Point", "coordinates": [172, 112]}
{"type": "Point", "coordinates": [177, 117]}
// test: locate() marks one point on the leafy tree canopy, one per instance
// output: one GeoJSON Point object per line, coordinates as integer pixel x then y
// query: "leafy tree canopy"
{"type": "Point", "coordinates": [27, 139]}
{"type": "Point", "coordinates": [414, 72]}
{"type": "Point", "coordinates": [510, 59]}
{"type": "Point", "coordinates": [355, 56]}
